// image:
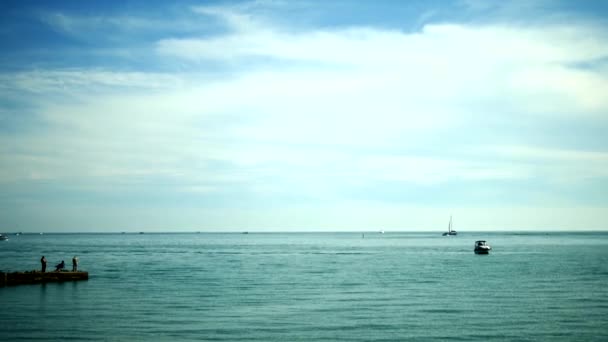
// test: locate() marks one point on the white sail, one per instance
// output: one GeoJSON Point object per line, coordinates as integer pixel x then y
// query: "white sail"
{"type": "Point", "coordinates": [450, 230]}
{"type": "Point", "coordinates": [450, 225]}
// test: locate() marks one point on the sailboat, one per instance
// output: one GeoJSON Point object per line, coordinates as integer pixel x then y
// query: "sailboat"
{"type": "Point", "coordinates": [450, 231]}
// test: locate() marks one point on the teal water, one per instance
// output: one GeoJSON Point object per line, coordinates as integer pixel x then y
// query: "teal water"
{"type": "Point", "coordinates": [311, 287]}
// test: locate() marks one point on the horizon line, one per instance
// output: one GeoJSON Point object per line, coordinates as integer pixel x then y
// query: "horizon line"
{"type": "Point", "coordinates": [380, 232]}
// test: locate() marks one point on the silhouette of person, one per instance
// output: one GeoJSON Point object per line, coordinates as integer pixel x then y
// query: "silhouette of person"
{"type": "Point", "coordinates": [60, 266]}
{"type": "Point", "coordinates": [43, 263]}
{"type": "Point", "coordinates": [74, 264]}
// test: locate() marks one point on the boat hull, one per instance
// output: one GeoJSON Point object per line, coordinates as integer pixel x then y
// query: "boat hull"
{"type": "Point", "coordinates": [482, 250]}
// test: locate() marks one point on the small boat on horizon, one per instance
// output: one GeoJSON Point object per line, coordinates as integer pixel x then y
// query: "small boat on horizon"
{"type": "Point", "coordinates": [3, 237]}
{"type": "Point", "coordinates": [450, 230]}
{"type": "Point", "coordinates": [481, 247]}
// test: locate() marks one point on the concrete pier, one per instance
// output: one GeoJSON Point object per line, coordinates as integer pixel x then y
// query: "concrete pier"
{"type": "Point", "coordinates": [37, 277]}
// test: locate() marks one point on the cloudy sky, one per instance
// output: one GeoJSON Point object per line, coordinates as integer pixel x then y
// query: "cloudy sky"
{"type": "Point", "coordinates": [303, 115]}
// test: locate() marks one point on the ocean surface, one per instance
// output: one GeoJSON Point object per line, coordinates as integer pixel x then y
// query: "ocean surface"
{"type": "Point", "coordinates": [311, 287]}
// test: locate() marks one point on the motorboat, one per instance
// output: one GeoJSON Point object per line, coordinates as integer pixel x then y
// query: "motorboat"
{"type": "Point", "coordinates": [3, 237]}
{"type": "Point", "coordinates": [450, 230]}
{"type": "Point", "coordinates": [481, 247]}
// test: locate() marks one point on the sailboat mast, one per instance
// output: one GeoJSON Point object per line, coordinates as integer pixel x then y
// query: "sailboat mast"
{"type": "Point", "coordinates": [450, 225]}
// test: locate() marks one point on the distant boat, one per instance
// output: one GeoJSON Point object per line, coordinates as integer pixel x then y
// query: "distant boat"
{"type": "Point", "coordinates": [450, 230]}
{"type": "Point", "coordinates": [3, 237]}
{"type": "Point", "coordinates": [481, 247]}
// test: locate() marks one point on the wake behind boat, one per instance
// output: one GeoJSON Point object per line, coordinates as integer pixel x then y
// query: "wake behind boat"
{"type": "Point", "coordinates": [450, 230]}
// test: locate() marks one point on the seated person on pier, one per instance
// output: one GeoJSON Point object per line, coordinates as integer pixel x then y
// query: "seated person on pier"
{"type": "Point", "coordinates": [60, 266]}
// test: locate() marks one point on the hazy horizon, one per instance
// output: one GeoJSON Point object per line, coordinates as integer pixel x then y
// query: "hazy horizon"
{"type": "Point", "coordinates": [348, 115]}
{"type": "Point", "coordinates": [311, 230]}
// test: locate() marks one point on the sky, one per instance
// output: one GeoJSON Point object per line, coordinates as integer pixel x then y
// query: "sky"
{"type": "Point", "coordinates": [303, 115]}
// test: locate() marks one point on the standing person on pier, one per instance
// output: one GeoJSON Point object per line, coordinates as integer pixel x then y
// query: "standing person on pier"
{"type": "Point", "coordinates": [43, 263]}
{"type": "Point", "coordinates": [74, 264]}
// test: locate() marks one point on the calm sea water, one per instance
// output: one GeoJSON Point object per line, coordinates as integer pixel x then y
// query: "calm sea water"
{"type": "Point", "coordinates": [311, 287]}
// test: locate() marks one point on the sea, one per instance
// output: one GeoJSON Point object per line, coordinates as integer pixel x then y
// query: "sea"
{"type": "Point", "coordinates": [372, 286]}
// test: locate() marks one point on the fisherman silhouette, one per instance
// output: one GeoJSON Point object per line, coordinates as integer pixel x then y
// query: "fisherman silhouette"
{"type": "Point", "coordinates": [43, 263]}
{"type": "Point", "coordinates": [60, 266]}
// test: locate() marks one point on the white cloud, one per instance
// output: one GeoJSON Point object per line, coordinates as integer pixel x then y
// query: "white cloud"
{"type": "Point", "coordinates": [565, 166]}
{"type": "Point", "coordinates": [428, 170]}
{"type": "Point", "coordinates": [557, 89]}
{"type": "Point", "coordinates": [444, 63]}
{"type": "Point", "coordinates": [79, 81]}
{"type": "Point", "coordinates": [233, 17]}
{"type": "Point", "coordinates": [343, 107]}
{"type": "Point", "coordinates": [112, 27]}
{"type": "Point", "coordinates": [283, 128]}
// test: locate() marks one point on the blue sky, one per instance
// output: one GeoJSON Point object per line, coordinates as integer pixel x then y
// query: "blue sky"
{"type": "Point", "coordinates": [303, 115]}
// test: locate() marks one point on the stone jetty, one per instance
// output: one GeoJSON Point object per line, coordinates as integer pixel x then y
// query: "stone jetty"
{"type": "Point", "coordinates": [37, 277]}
